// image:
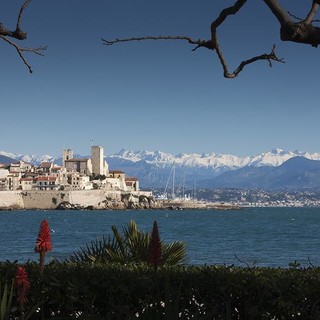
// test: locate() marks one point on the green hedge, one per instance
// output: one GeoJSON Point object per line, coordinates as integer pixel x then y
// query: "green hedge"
{"type": "Point", "coordinates": [71, 291]}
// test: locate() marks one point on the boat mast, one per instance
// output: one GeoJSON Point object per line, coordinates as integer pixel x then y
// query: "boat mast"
{"type": "Point", "coordinates": [173, 178]}
{"type": "Point", "coordinates": [183, 182]}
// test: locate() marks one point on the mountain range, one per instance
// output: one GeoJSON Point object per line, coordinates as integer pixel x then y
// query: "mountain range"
{"type": "Point", "coordinates": [271, 170]}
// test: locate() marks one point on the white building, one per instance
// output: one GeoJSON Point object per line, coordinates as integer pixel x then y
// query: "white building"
{"type": "Point", "coordinates": [80, 182]}
{"type": "Point", "coordinates": [26, 184]}
{"type": "Point", "coordinates": [46, 183]}
{"type": "Point", "coordinates": [132, 184]}
{"type": "Point", "coordinates": [13, 180]}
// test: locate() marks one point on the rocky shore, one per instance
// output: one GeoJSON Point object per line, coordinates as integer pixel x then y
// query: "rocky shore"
{"type": "Point", "coordinates": [97, 200]}
{"type": "Point", "coordinates": [195, 204]}
{"type": "Point", "coordinates": [127, 201]}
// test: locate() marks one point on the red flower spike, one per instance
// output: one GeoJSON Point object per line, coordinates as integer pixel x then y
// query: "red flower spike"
{"type": "Point", "coordinates": [22, 284]}
{"type": "Point", "coordinates": [43, 244]}
{"type": "Point", "coordinates": [155, 251]}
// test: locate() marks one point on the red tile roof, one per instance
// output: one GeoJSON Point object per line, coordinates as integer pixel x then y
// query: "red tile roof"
{"type": "Point", "coordinates": [31, 174]}
{"type": "Point", "coordinates": [46, 164]}
{"type": "Point", "coordinates": [46, 179]}
{"type": "Point", "coordinates": [56, 168]}
{"type": "Point", "coordinates": [131, 179]}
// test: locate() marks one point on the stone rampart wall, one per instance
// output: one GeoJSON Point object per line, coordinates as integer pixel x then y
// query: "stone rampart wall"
{"type": "Point", "coordinates": [51, 199]}
{"type": "Point", "coordinates": [43, 199]}
{"type": "Point", "coordinates": [11, 200]}
{"type": "Point", "coordinates": [92, 197]}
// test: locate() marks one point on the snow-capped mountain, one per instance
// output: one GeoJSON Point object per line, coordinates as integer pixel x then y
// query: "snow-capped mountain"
{"type": "Point", "coordinates": [153, 167]}
{"type": "Point", "coordinates": [29, 158]}
{"type": "Point", "coordinates": [147, 156]}
{"type": "Point", "coordinates": [274, 158]}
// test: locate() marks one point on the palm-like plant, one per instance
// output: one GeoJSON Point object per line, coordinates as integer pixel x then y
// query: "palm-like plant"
{"type": "Point", "coordinates": [132, 246]}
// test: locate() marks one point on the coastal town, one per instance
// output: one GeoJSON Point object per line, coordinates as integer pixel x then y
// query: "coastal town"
{"type": "Point", "coordinates": [83, 178]}
{"type": "Point", "coordinates": [74, 174]}
{"type": "Point", "coordinates": [79, 183]}
{"type": "Point", "coordinates": [262, 198]}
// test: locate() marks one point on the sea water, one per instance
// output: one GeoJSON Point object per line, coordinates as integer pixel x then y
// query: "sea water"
{"type": "Point", "coordinates": [271, 237]}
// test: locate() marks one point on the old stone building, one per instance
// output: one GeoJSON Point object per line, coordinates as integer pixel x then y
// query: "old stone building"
{"type": "Point", "coordinates": [99, 165]}
{"type": "Point", "coordinates": [66, 155]}
{"type": "Point", "coordinates": [81, 165]}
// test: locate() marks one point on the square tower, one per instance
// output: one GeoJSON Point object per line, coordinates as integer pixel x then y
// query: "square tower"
{"type": "Point", "coordinates": [97, 159]}
{"type": "Point", "coordinates": [66, 155]}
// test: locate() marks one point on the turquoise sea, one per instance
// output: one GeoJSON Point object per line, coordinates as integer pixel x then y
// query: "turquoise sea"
{"type": "Point", "coordinates": [271, 236]}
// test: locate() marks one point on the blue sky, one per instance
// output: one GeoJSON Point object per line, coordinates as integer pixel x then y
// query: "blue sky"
{"type": "Point", "coordinates": [155, 95]}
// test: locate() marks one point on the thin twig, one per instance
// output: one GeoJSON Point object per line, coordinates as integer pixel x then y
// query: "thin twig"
{"type": "Point", "coordinates": [294, 16]}
{"type": "Point", "coordinates": [18, 34]}
{"type": "Point", "coordinates": [269, 57]}
{"type": "Point", "coordinates": [24, 6]}
{"type": "Point", "coordinates": [300, 19]}
{"type": "Point", "coordinates": [22, 49]}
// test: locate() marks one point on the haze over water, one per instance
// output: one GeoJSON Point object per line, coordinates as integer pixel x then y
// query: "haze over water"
{"type": "Point", "coordinates": [271, 236]}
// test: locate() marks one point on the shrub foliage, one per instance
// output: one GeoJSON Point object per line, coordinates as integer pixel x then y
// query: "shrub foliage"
{"type": "Point", "coordinates": [132, 246]}
{"type": "Point", "coordinates": [113, 291]}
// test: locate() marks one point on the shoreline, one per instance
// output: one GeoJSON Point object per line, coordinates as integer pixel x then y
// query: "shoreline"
{"type": "Point", "coordinates": [75, 199]}
{"type": "Point", "coordinates": [98, 200]}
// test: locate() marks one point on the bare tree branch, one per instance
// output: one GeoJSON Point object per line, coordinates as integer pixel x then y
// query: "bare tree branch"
{"type": "Point", "coordinates": [300, 19]}
{"type": "Point", "coordinates": [24, 6]}
{"type": "Point", "coordinates": [266, 56]}
{"type": "Point", "coordinates": [215, 24]}
{"type": "Point", "coordinates": [20, 51]}
{"type": "Point", "coordinates": [18, 34]}
{"type": "Point", "coordinates": [278, 12]}
{"type": "Point", "coordinates": [312, 13]}
{"type": "Point", "coordinates": [294, 16]}
{"type": "Point", "coordinates": [199, 43]}
{"type": "Point", "coordinates": [212, 44]}
{"type": "Point", "coordinates": [227, 12]}
{"type": "Point", "coordinates": [302, 32]}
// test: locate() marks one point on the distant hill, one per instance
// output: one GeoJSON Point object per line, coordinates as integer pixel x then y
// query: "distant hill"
{"type": "Point", "coordinates": [6, 160]}
{"type": "Point", "coordinates": [297, 172]}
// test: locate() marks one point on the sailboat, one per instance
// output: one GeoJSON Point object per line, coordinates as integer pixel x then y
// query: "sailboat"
{"type": "Point", "coordinates": [171, 184]}
{"type": "Point", "coordinates": [166, 195]}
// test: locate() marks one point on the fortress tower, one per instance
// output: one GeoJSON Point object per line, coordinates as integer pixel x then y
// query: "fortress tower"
{"type": "Point", "coordinates": [66, 155]}
{"type": "Point", "coordinates": [99, 166]}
